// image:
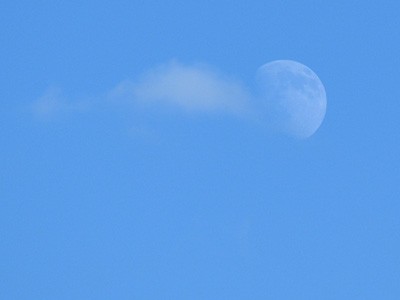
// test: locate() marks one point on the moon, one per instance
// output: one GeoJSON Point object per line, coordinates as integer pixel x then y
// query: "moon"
{"type": "Point", "coordinates": [292, 97]}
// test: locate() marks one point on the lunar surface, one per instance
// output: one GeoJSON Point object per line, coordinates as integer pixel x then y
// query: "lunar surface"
{"type": "Point", "coordinates": [292, 97]}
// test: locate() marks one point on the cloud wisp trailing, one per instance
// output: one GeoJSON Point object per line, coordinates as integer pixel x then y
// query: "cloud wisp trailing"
{"type": "Point", "coordinates": [53, 103]}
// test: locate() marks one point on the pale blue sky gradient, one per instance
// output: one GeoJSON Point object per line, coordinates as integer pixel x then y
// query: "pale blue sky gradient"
{"type": "Point", "coordinates": [102, 198]}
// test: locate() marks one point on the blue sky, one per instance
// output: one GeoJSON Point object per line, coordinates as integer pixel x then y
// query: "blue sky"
{"type": "Point", "coordinates": [104, 197]}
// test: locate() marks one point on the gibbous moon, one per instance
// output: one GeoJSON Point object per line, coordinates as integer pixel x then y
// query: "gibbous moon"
{"type": "Point", "coordinates": [292, 96]}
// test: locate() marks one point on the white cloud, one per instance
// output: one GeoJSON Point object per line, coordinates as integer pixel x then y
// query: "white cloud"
{"type": "Point", "coordinates": [190, 88]}
{"type": "Point", "coordinates": [195, 88]}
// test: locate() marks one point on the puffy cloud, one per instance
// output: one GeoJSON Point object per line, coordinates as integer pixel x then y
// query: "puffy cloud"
{"type": "Point", "coordinates": [196, 88]}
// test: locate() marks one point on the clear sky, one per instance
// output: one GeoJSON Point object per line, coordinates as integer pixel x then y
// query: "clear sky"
{"type": "Point", "coordinates": [107, 193]}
